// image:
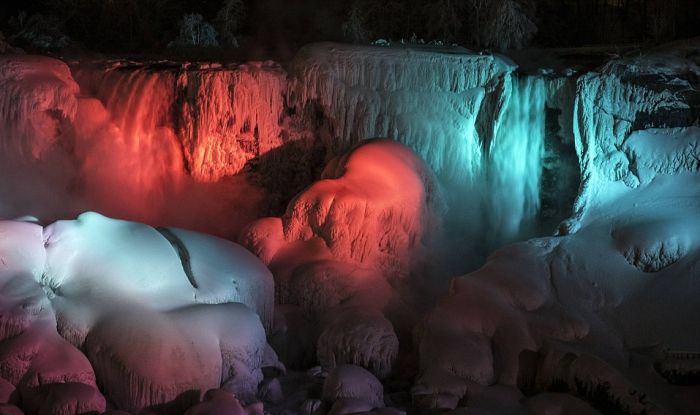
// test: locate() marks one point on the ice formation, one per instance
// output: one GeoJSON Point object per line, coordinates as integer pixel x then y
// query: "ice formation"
{"type": "Point", "coordinates": [346, 245]}
{"type": "Point", "coordinates": [176, 128]}
{"type": "Point", "coordinates": [216, 119]}
{"type": "Point", "coordinates": [629, 96]}
{"type": "Point", "coordinates": [38, 100]}
{"type": "Point", "coordinates": [600, 318]}
{"type": "Point", "coordinates": [155, 337]}
{"type": "Point", "coordinates": [589, 311]}
{"type": "Point", "coordinates": [348, 381]}
{"type": "Point", "coordinates": [475, 122]}
{"type": "Point", "coordinates": [45, 373]}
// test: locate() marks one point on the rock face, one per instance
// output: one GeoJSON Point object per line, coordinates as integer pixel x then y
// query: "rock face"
{"type": "Point", "coordinates": [162, 316]}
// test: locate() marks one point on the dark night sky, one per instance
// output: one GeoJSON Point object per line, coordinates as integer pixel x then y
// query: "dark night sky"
{"type": "Point", "coordinates": [277, 27]}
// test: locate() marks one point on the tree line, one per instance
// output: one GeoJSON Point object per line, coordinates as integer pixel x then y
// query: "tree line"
{"type": "Point", "coordinates": [151, 25]}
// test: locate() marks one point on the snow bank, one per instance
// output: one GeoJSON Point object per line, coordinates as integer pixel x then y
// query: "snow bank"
{"type": "Point", "coordinates": [150, 269]}
{"type": "Point", "coordinates": [147, 359]}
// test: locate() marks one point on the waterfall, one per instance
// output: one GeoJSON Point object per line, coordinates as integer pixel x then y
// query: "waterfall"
{"type": "Point", "coordinates": [143, 136]}
{"type": "Point", "coordinates": [515, 156]}
{"type": "Point", "coordinates": [215, 120]}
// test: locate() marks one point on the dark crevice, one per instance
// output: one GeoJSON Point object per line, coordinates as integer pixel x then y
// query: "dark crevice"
{"type": "Point", "coordinates": [181, 251]}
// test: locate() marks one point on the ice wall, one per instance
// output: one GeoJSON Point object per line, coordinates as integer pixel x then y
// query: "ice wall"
{"type": "Point", "coordinates": [217, 118]}
{"type": "Point", "coordinates": [476, 123]}
{"type": "Point", "coordinates": [230, 117]}
{"type": "Point", "coordinates": [158, 131]}
{"type": "Point", "coordinates": [658, 90]}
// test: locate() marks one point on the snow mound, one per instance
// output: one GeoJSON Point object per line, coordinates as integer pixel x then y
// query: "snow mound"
{"type": "Point", "coordinates": [357, 336]}
{"type": "Point", "coordinates": [349, 240]}
{"type": "Point", "coordinates": [163, 268]}
{"type": "Point", "coordinates": [654, 246]}
{"type": "Point", "coordinates": [349, 381]}
{"type": "Point", "coordinates": [219, 402]}
{"type": "Point", "coordinates": [161, 314]}
{"type": "Point", "coordinates": [356, 213]}
{"type": "Point", "coordinates": [39, 97]}
{"type": "Point", "coordinates": [49, 375]}
{"type": "Point", "coordinates": [148, 359]}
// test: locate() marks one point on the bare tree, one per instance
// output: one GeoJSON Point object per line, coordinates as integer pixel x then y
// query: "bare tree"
{"type": "Point", "coordinates": [445, 19]}
{"type": "Point", "coordinates": [195, 32]}
{"type": "Point", "coordinates": [507, 26]}
{"type": "Point", "coordinates": [478, 11]}
{"type": "Point", "coordinates": [355, 27]}
{"type": "Point", "coordinates": [229, 21]}
{"type": "Point", "coordinates": [661, 19]}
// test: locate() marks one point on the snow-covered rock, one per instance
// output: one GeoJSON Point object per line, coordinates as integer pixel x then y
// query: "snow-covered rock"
{"type": "Point", "coordinates": [620, 278]}
{"type": "Point", "coordinates": [357, 216]}
{"type": "Point", "coordinates": [358, 336]}
{"type": "Point", "coordinates": [48, 374]}
{"type": "Point", "coordinates": [163, 268]}
{"type": "Point", "coordinates": [219, 402]}
{"type": "Point", "coordinates": [271, 391]}
{"type": "Point", "coordinates": [350, 381]}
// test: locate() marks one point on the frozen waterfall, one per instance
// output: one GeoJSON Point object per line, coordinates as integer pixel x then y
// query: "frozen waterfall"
{"type": "Point", "coordinates": [514, 163]}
